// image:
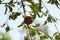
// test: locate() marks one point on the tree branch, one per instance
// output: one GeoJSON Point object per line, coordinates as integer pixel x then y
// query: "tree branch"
{"type": "Point", "coordinates": [23, 7]}
{"type": "Point", "coordinates": [8, 2]}
{"type": "Point", "coordinates": [29, 33]}
{"type": "Point", "coordinates": [25, 15]}
{"type": "Point", "coordinates": [52, 16]}
{"type": "Point", "coordinates": [56, 28]}
{"type": "Point", "coordinates": [49, 12]}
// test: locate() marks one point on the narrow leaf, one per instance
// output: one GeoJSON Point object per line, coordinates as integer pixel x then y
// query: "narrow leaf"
{"type": "Point", "coordinates": [5, 10]}
{"type": "Point", "coordinates": [7, 29]}
{"type": "Point", "coordinates": [38, 15]}
{"type": "Point", "coordinates": [45, 22]}
{"type": "Point", "coordinates": [21, 24]}
{"type": "Point", "coordinates": [10, 8]}
{"type": "Point", "coordinates": [34, 16]}
{"type": "Point", "coordinates": [40, 5]}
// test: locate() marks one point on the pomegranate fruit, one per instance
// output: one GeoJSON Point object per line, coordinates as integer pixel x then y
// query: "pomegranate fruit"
{"type": "Point", "coordinates": [28, 20]}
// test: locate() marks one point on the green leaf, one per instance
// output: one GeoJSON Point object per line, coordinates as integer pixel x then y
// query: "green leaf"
{"type": "Point", "coordinates": [26, 38]}
{"type": "Point", "coordinates": [11, 4]}
{"type": "Point", "coordinates": [7, 28]}
{"type": "Point", "coordinates": [32, 31]}
{"type": "Point", "coordinates": [45, 22]}
{"type": "Point", "coordinates": [29, 1]}
{"type": "Point", "coordinates": [55, 33]}
{"type": "Point", "coordinates": [57, 4]}
{"type": "Point", "coordinates": [14, 15]}
{"type": "Point", "coordinates": [49, 19]}
{"type": "Point", "coordinates": [38, 32]}
{"type": "Point", "coordinates": [23, 16]}
{"type": "Point", "coordinates": [41, 16]}
{"type": "Point", "coordinates": [46, 36]}
{"type": "Point", "coordinates": [11, 1]}
{"type": "Point", "coordinates": [5, 10]}
{"type": "Point", "coordinates": [0, 1]}
{"type": "Point", "coordinates": [34, 16]}
{"type": "Point", "coordinates": [38, 15]}
{"type": "Point", "coordinates": [53, 20]}
{"type": "Point", "coordinates": [31, 14]}
{"type": "Point", "coordinates": [57, 37]}
{"type": "Point", "coordinates": [36, 25]}
{"type": "Point", "coordinates": [21, 24]}
{"type": "Point", "coordinates": [54, 2]}
{"type": "Point", "coordinates": [34, 7]}
{"type": "Point", "coordinates": [44, 14]}
{"type": "Point", "coordinates": [40, 6]}
{"type": "Point", "coordinates": [4, 36]}
{"type": "Point", "coordinates": [41, 38]}
{"type": "Point", "coordinates": [10, 8]}
{"type": "Point", "coordinates": [51, 1]}
{"type": "Point", "coordinates": [47, 11]}
{"type": "Point", "coordinates": [25, 27]}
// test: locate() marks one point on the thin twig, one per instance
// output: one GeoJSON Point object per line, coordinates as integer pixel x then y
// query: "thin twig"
{"type": "Point", "coordinates": [49, 12]}
{"type": "Point", "coordinates": [52, 16]}
{"type": "Point", "coordinates": [29, 32]}
{"type": "Point", "coordinates": [23, 7]}
{"type": "Point", "coordinates": [56, 28]}
{"type": "Point", "coordinates": [56, 18]}
{"type": "Point", "coordinates": [25, 15]}
{"type": "Point", "coordinates": [8, 2]}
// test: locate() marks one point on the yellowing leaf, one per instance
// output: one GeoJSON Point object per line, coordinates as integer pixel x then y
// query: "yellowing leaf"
{"type": "Point", "coordinates": [32, 31]}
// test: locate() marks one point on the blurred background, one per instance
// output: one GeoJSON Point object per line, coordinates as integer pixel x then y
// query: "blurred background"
{"type": "Point", "coordinates": [18, 33]}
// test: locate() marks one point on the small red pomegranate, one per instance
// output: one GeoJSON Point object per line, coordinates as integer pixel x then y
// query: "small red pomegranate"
{"type": "Point", "coordinates": [28, 20]}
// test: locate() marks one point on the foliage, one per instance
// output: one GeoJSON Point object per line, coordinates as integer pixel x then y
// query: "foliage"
{"type": "Point", "coordinates": [14, 15]}
{"type": "Point", "coordinates": [54, 2]}
{"type": "Point", "coordinates": [4, 36]}
{"type": "Point", "coordinates": [7, 29]}
{"type": "Point", "coordinates": [36, 10]}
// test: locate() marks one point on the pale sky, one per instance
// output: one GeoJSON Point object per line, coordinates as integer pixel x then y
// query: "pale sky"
{"type": "Point", "coordinates": [18, 33]}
